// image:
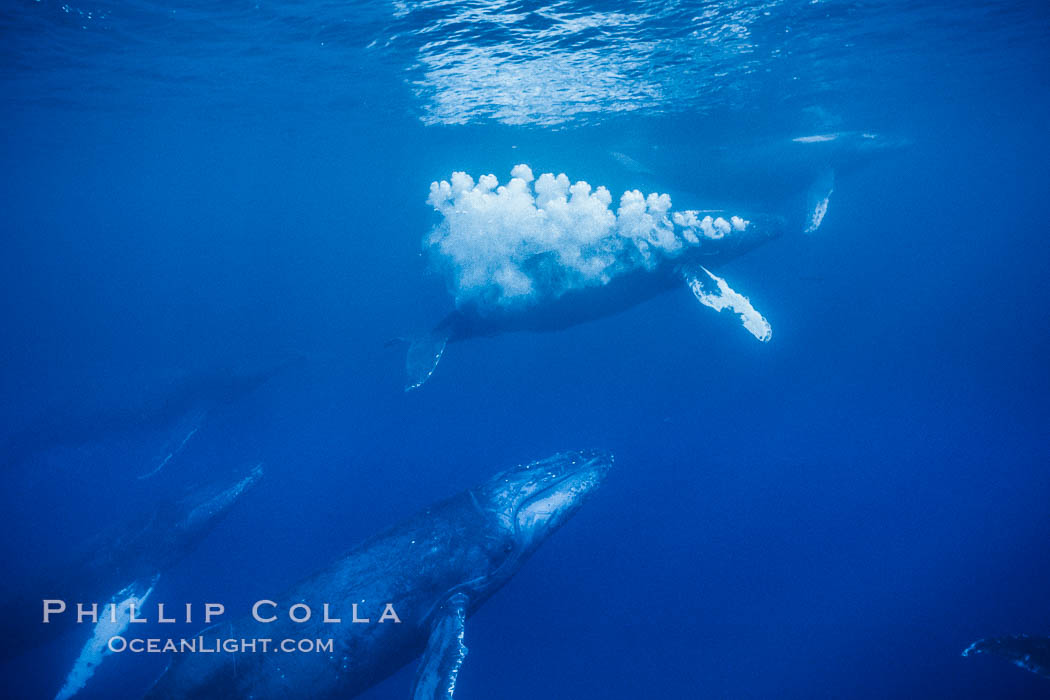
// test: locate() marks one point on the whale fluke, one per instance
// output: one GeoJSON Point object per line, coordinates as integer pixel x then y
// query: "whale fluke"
{"type": "Point", "coordinates": [1031, 653]}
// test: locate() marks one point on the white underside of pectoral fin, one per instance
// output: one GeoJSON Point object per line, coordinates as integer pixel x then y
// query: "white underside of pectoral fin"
{"type": "Point", "coordinates": [713, 291]}
{"type": "Point", "coordinates": [817, 200]}
{"type": "Point", "coordinates": [111, 622]}
{"type": "Point", "coordinates": [439, 668]}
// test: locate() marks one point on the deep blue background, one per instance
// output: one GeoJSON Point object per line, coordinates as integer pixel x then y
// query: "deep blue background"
{"type": "Point", "coordinates": [837, 513]}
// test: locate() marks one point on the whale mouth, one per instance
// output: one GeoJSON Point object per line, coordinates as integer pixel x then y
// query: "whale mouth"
{"type": "Point", "coordinates": [571, 482]}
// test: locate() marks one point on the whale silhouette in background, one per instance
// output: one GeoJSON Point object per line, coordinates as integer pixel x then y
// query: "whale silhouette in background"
{"type": "Point", "coordinates": [1031, 653]}
{"type": "Point", "coordinates": [778, 166]}
{"type": "Point", "coordinates": [784, 169]}
{"type": "Point", "coordinates": [434, 569]}
{"type": "Point", "coordinates": [179, 404]}
{"type": "Point", "coordinates": [691, 270]}
{"type": "Point", "coordinates": [119, 566]}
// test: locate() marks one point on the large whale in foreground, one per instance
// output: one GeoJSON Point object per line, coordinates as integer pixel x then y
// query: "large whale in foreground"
{"type": "Point", "coordinates": [434, 569]}
{"type": "Point", "coordinates": [120, 566]}
{"type": "Point", "coordinates": [1031, 653]}
{"type": "Point", "coordinates": [691, 270]}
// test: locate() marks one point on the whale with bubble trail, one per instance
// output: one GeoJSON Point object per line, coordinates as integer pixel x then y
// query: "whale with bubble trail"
{"type": "Point", "coordinates": [543, 254]}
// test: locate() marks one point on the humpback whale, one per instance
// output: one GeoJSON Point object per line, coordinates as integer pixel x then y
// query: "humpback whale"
{"type": "Point", "coordinates": [1031, 653]}
{"type": "Point", "coordinates": [119, 567]}
{"type": "Point", "coordinates": [434, 569]}
{"type": "Point", "coordinates": [778, 170]}
{"type": "Point", "coordinates": [544, 261]}
{"type": "Point", "coordinates": [779, 167]}
{"type": "Point", "coordinates": [582, 305]}
{"type": "Point", "coordinates": [179, 404]}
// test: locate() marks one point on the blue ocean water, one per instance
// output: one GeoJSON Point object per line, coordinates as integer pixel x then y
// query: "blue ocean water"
{"type": "Point", "coordinates": [193, 191]}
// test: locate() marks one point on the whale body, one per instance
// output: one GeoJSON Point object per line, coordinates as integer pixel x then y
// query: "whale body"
{"type": "Point", "coordinates": [119, 566]}
{"type": "Point", "coordinates": [1031, 653]}
{"type": "Point", "coordinates": [434, 569]}
{"type": "Point", "coordinates": [779, 167]}
{"type": "Point", "coordinates": [554, 312]}
{"type": "Point", "coordinates": [181, 403]}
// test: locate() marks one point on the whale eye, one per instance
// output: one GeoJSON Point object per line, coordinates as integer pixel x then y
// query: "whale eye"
{"type": "Point", "coordinates": [508, 548]}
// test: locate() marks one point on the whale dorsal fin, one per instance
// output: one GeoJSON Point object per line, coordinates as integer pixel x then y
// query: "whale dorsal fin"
{"type": "Point", "coordinates": [436, 676]}
{"type": "Point", "coordinates": [713, 291]}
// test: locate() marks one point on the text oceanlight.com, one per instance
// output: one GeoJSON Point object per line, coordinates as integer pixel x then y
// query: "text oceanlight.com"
{"type": "Point", "coordinates": [201, 645]}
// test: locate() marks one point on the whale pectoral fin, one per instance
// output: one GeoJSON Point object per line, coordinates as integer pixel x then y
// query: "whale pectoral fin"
{"type": "Point", "coordinates": [187, 429]}
{"type": "Point", "coordinates": [436, 675]}
{"type": "Point", "coordinates": [425, 353]}
{"type": "Point", "coordinates": [423, 357]}
{"type": "Point", "coordinates": [817, 199]}
{"type": "Point", "coordinates": [713, 291]}
{"type": "Point", "coordinates": [96, 649]}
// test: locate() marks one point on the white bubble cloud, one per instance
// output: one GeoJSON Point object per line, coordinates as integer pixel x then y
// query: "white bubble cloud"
{"type": "Point", "coordinates": [538, 237]}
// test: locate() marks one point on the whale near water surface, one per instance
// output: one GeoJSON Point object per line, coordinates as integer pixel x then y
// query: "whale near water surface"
{"type": "Point", "coordinates": [543, 254]}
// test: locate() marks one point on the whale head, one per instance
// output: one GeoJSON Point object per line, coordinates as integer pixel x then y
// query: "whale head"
{"type": "Point", "coordinates": [531, 501]}
{"type": "Point", "coordinates": [476, 541]}
{"type": "Point", "coordinates": [202, 507]}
